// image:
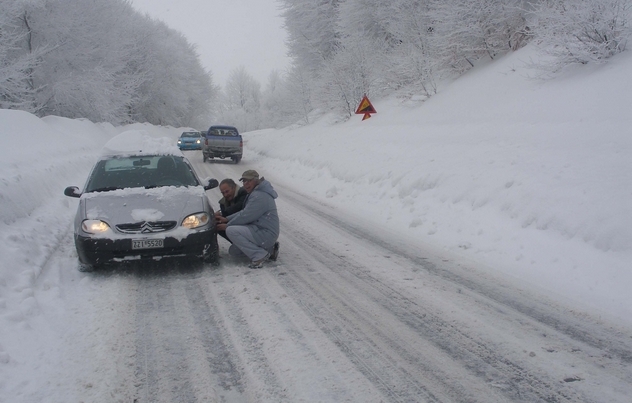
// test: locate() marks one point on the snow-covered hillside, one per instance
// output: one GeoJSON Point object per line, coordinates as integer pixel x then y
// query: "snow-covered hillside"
{"type": "Point", "coordinates": [531, 178]}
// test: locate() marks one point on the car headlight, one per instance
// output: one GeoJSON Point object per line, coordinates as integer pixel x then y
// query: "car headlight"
{"type": "Point", "coordinates": [198, 141]}
{"type": "Point", "coordinates": [179, 141]}
{"type": "Point", "coordinates": [94, 226]}
{"type": "Point", "coordinates": [196, 220]}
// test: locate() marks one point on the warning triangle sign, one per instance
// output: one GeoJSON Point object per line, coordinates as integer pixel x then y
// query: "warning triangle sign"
{"type": "Point", "coordinates": [365, 107]}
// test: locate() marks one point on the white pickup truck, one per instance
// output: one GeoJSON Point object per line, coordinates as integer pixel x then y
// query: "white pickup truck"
{"type": "Point", "coordinates": [222, 142]}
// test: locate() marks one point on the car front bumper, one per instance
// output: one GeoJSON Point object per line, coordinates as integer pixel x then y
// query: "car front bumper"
{"type": "Point", "coordinates": [98, 251]}
{"type": "Point", "coordinates": [222, 153]}
{"type": "Point", "coordinates": [189, 146]}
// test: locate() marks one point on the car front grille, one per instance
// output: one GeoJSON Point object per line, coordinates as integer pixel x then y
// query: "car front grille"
{"type": "Point", "coordinates": [145, 227]}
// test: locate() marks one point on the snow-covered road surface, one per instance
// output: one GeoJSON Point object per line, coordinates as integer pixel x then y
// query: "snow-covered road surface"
{"type": "Point", "coordinates": [349, 313]}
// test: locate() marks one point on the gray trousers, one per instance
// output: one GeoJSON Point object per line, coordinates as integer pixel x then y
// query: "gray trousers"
{"type": "Point", "coordinates": [243, 243]}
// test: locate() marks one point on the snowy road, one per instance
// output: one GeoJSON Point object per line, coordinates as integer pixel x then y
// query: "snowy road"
{"type": "Point", "coordinates": [348, 313]}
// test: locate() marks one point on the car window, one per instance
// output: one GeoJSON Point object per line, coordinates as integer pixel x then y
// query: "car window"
{"type": "Point", "coordinates": [136, 171]}
{"type": "Point", "coordinates": [225, 131]}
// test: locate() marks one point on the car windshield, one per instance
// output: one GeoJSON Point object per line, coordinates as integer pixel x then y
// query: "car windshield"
{"type": "Point", "coordinates": [191, 134]}
{"type": "Point", "coordinates": [222, 131]}
{"type": "Point", "coordinates": [140, 171]}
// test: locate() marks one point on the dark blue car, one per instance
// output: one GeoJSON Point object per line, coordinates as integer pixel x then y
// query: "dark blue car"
{"type": "Point", "coordinates": [191, 140]}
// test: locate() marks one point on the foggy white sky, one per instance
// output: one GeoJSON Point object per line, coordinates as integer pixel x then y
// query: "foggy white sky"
{"type": "Point", "coordinates": [227, 33]}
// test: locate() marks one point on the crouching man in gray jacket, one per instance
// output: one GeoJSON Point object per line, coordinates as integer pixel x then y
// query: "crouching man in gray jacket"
{"type": "Point", "coordinates": [255, 229]}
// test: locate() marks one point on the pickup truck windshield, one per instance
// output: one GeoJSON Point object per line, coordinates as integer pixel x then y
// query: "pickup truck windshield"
{"type": "Point", "coordinates": [222, 132]}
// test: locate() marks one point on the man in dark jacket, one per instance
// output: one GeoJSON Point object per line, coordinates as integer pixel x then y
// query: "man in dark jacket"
{"type": "Point", "coordinates": [232, 202]}
{"type": "Point", "coordinates": [255, 229]}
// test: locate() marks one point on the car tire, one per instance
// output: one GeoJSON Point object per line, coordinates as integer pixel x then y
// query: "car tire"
{"type": "Point", "coordinates": [86, 268]}
{"type": "Point", "coordinates": [212, 255]}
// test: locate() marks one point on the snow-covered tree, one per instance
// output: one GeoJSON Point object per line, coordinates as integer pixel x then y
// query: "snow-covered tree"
{"type": "Point", "coordinates": [298, 103]}
{"type": "Point", "coordinates": [272, 112]}
{"type": "Point", "coordinates": [242, 101]}
{"type": "Point", "coordinates": [17, 89]}
{"type": "Point", "coordinates": [243, 90]}
{"type": "Point", "coordinates": [369, 39]}
{"type": "Point", "coordinates": [581, 31]}
{"type": "Point", "coordinates": [80, 74]}
{"type": "Point", "coordinates": [367, 21]}
{"type": "Point", "coordinates": [100, 60]}
{"type": "Point", "coordinates": [464, 31]}
{"type": "Point", "coordinates": [177, 90]}
{"type": "Point", "coordinates": [349, 76]}
{"type": "Point", "coordinates": [412, 63]}
{"type": "Point", "coordinates": [313, 37]}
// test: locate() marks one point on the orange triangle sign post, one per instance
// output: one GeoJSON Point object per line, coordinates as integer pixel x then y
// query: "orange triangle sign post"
{"type": "Point", "coordinates": [365, 108]}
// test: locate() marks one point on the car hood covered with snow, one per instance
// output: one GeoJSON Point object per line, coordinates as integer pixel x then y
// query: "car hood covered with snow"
{"type": "Point", "coordinates": [133, 205]}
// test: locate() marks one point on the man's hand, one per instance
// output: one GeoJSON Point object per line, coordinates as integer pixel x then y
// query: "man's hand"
{"type": "Point", "coordinates": [221, 222]}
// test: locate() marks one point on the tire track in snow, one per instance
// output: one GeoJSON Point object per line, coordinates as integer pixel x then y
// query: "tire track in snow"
{"type": "Point", "coordinates": [216, 352]}
{"type": "Point", "coordinates": [402, 366]}
{"type": "Point", "coordinates": [306, 363]}
{"type": "Point", "coordinates": [162, 373]}
{"type": "Point", "coordinates": [592, 334]}
{"type": "Point", "coordinates": [261, 382]}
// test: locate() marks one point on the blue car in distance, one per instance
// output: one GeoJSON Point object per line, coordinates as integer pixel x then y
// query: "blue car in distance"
{"type": "Point", "coordinates": [190, 140]}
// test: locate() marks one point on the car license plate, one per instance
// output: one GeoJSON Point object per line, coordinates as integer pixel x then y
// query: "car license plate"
{"type": "Point", "coordinates": [147, 243]}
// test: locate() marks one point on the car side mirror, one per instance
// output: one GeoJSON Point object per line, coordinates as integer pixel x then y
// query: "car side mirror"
{"type": "Point", "coordinates": [211, 184]}
{"type": "Point", "coordinates": [72, 191]}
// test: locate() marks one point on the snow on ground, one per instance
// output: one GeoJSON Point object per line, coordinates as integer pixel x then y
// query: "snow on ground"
{"type": "Point", "coordinates": [531, 179]}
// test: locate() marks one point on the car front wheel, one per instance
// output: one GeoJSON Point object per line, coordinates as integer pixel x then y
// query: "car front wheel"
{"type": "Point", "coordinates": [211, 254]}
{"type": "Point", "coordinates": [86, 268]}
